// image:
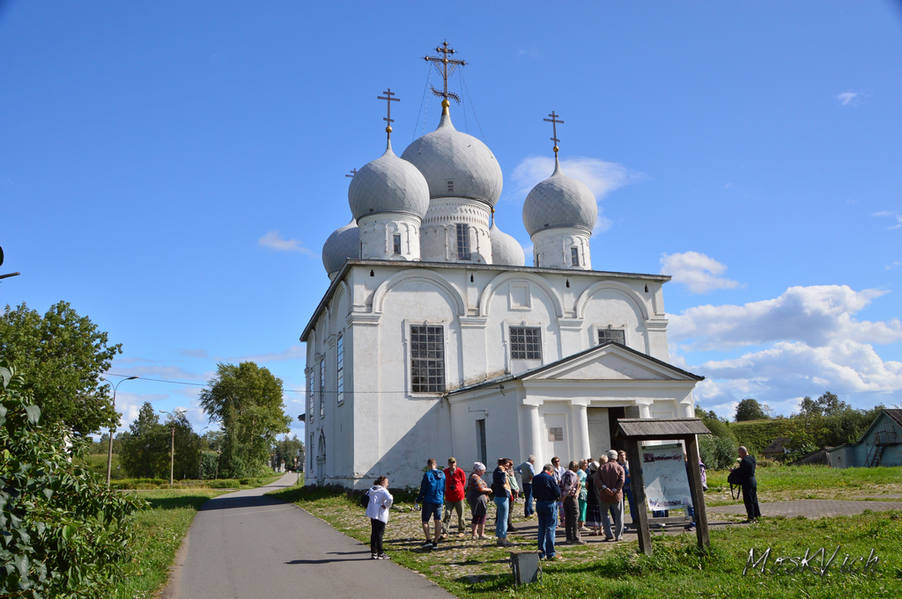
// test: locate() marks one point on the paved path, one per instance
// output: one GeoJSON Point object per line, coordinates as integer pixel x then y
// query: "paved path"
{"type": "Point", "coordinates": [248, 545]}
{"type": "Point", "coordinates": [811, 508]}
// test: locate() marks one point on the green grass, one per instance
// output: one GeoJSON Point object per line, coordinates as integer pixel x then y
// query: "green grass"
{"type": "Point", "coordinates": [780, 483]}
{"type": "Point", "coordinates": [219, 483]}
{"type": "Point", "coordinates": [474, 569]}
{"type": "Point", "coordinates": [159, 532]}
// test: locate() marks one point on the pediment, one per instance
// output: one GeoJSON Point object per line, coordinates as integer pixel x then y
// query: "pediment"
{"type": "Point", "coordinates": [609, 362]}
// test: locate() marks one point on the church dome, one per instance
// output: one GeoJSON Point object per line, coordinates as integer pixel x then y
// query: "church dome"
{"type": "Point", "coordinates": [456, 164]}
{"type": "Point", "coordinates": [505, 249]}
{"type": "Point", "coordinates": [343, 244]}
{"type": "Point", "coordinates": [559, 202]}
{"type": "Point", "coordinates": [388, 185]}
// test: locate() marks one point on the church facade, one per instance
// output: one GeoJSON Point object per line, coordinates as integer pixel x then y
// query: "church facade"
{"type": "Point", "coordinates": [435, 339]}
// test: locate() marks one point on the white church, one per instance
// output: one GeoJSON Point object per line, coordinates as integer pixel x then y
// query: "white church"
{"type": "Point", "coordinates": [435, 339]}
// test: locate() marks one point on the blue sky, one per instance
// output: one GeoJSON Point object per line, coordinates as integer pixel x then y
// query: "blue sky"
{"type": "Point", "coordinates": [172, 170]}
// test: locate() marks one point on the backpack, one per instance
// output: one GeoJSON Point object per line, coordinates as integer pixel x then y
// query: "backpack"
{"type": "Point", "coordinates": [364, 499]}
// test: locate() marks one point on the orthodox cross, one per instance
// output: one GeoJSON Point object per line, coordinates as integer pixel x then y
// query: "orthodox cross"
{"type": "Point", "coordinates": [554, 123]}
{"type": "Point", "coordinates": [388, 100]}
{"type": "Point", "coordinates": [352, 173]}
{"type": "Point", "coordinates": [447, 67]}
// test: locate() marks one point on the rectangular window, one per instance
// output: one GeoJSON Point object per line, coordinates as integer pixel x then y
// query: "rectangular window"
{"type": "Point", "coordinates": [526, 343]}
{"type": "Point", "coordinates": [611, 335]}
{"type": "Point", "coordinates": [574, 256]}
{"type": "Point", "coordinates": [340, 369]}
{"type": "Point", "coordinates": [309, 393]}
{"type": "Point", "coordinates": [396, 241]}
{"type": "Point", "coordinates": [555, 433]}
{"type": "Point", "coordinates": [427, 359]}
{"type": "Point", "coordinates": [322, 387]}
{"type": "Point", "coordinates": [480, 441]}
{"type": "Point", "coordinates": [463, 241]}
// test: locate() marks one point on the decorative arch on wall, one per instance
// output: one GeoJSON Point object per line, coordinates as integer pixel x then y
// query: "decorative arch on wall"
{"type": "Point", "coordinates": [628, 294]}
{"type": "Point", "coordinates": [336, 315]}
{"type": "Point", "coordinates": [426, 276]}
{"type": "Point", "coordinates": [506, 277]}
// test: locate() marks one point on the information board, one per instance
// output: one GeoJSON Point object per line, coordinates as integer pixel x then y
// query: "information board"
{"type": "Point", "coordinates": [666, 480]}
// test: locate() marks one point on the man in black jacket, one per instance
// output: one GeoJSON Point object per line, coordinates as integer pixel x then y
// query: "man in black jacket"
{"type": "Point", "coordinates": [746, 472]}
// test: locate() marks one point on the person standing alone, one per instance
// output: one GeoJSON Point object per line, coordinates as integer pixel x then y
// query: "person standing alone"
{"type": "Point", "coordinates": [746, 472]}
{"type": "Point", "coordinates": [377, 511]}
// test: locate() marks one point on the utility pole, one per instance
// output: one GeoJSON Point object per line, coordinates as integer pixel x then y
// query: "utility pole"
{"type": "Point", "coordinates": [171, 451]}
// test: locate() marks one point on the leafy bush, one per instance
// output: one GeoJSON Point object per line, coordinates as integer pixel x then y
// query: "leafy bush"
{"type": "Point", "coordinates": [716, 452]}
{"type": "Point", "coordinates": [62, 532]}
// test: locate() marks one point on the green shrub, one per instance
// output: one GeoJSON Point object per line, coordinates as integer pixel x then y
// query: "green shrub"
{"type": "Point", "coordinates": [64, 534]}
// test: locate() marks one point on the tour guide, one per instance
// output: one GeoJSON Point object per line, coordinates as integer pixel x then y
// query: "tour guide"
{"type": "Point", "coordinates": [546, 492]}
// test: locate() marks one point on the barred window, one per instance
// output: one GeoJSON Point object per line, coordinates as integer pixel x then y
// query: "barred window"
{"type": "Point", "coordinates": [322, 387]}
{"type": "Point", "coordinates": [396, 241]}
{"type": "Point", "coordinates": [427, 359]}
{"type": "Point", "coordinates": [463, 241]}
{"type": "Point", "coordinates": [611, 335]}
{"type": "Point", "coordinates": [526, 343]}
{"type": "Point", "coordinates": [574, 256]}
{"type": "Point", "coordinates": [340, 368]}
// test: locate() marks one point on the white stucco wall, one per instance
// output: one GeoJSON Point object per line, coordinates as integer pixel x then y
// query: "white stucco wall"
{"type": "Point", "coordinates": [383, 428]}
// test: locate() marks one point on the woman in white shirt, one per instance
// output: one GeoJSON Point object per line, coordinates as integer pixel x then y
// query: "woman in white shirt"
{"type": "Point", "coordinates": [377, 511]}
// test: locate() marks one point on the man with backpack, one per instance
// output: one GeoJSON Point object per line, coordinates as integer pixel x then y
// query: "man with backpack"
{"type": "Point", "coordinates": [432, 496]}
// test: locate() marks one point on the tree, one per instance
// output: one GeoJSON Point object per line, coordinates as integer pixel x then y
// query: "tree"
{"type": "Point", "coordinates": [147, 444]}
{"type": "Point", "coordinates": [827, 404]}
{"type": "Point", "coordinates": [61, 356]}
{"type": "Point", "coordinates": [145, 447]}
{"type": "Point", "coordinates": [247, 400]}
{"type": "Point", "coordinates": [64, 534]}
{"type": "Point", "coordinates": [750, 409]}
{"type": "Point", "coordinates": [288, 452]}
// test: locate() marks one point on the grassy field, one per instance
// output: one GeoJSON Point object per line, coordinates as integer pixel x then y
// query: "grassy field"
{"type": "Point", "coordinates": [159, 532]}
{"type": "Point", "coordinates": [478, 569]}
{"type": "Point", "coordinates": [779, 483]}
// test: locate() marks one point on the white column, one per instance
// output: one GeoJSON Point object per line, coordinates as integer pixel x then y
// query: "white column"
{"type": "Point", "coordinates": [644, 408]}
{"type": "Point", "coordinates": [530, 439]}
{"type": "Point", "coordinates": [580, 430]}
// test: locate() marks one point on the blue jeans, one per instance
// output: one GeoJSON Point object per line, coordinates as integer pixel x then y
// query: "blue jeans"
{"type": "Point", "coordinates": [547, 511]}
{"type": "Point", "coordinates": [631, 501]}
{"type": "Point", "coordinates": [503, 505]}
{"type": "Point", "coordinates": [527, 504]}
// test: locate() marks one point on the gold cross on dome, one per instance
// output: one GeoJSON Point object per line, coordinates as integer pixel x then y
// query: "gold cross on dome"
{"type": "Point", "coordinates": [388, 100]}
{"type": "Point", "coordinates": [554, 120]}
{"type": "Point", "coordinates": [447, 67]}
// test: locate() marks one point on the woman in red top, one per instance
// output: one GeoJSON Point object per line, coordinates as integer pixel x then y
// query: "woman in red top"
{"type": "Point", "coordinates": [455, 481]}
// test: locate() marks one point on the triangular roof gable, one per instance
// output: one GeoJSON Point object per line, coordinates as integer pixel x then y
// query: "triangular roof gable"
{"type": "Point", "coordinates": [608, 361]}
{"type": "Point", "coordinates": [893, 415]}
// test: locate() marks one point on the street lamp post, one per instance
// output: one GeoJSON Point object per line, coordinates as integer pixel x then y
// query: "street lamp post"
{"type": "Point", "coordinates": [109, 455]}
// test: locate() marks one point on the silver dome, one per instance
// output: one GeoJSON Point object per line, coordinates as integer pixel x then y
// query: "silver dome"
{"type": "Point", "coordinates": [342, 245]}
{"type": "Point", "coordinates": [505, 249]}
{"type": "Point", "coordinates": [559, 202]}
{"type": "Point", "coordinates": [388, 185]}
{"type": "Point", "coordinates": [456, 165]}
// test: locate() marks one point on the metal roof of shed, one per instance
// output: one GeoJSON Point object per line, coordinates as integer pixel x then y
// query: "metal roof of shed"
{"type": "Point", "coordinates": [660, 428]}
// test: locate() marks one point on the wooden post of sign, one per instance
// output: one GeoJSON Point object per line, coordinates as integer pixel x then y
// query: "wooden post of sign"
{"type": "Point", "coordinates": [637, 485]}
{"type": "Point", "coordinates": [698, 496]}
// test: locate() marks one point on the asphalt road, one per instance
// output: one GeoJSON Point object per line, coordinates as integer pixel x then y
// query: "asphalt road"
{"type": "Point", "coordinates": [246, 545]}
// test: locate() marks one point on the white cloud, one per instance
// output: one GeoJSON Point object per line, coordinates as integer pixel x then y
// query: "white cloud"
{"type": "Point", "coordinates": [815, 315]}
{"type": "Point", "coordinates": [700, 273]}
{"type": "Point", "coordinates": [808, 339]}
{"type": "Point", "coordinates": [896, 218]}
{"type": "Point", "coordinates": [847, 97]}
{"type": "Point", "coordinates": [893, 264]}
{"type": "Point", "coordinates": [273, 241]}
{"type": "Point", "coordinates": [796, 369]}
{"type": "Point", "coordinates": [195, 353]}
{"type": "Point", "coordinates": [600, 176]}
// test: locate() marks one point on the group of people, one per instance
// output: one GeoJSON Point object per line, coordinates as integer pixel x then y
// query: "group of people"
{"type": "Point", "coordinates": [590, 494]}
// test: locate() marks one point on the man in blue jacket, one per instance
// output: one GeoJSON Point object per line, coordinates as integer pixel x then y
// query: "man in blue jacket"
{"type": "Point", "coordinates": [432, 496]}
{"type": "Point", "coordinates": [547, 492]}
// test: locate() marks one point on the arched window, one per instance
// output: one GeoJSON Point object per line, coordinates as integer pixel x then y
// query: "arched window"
{"type": "Point", "coordinates": [321, 459]}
